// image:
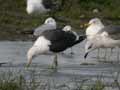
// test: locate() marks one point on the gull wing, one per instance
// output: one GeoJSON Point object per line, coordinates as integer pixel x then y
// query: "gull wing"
{"type": "Point", "coordinates": [113, 31]}
{"type": "Point", "coordinates": [42, 28]}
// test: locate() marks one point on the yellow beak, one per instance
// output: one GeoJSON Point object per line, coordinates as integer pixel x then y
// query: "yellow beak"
{"type": "Point", "coordinates": [86, 24]}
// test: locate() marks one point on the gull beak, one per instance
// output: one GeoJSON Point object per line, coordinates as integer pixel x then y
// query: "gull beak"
{"type": "Point", "coordinates": [28, 64]}
{"type": "Point", "coordinates": [86, 24]}
{"type": "Point", "coordinates": [86, 54]}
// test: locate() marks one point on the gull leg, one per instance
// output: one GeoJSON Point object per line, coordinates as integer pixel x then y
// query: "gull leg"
{"type": "Point", "coordinates": [55, 62]}
{"type": "Point", "coordinates": [110, 54]}
{"type": "Point", "coordinates": [71, 51]}
{"type": "Point", "coordinates": [105, 55]}
{"type": "Point", "coordinates": [111, 51]}
{"type": "Point", "coordinates": [118, 55]}
{"type": "Point", "coordinates": [98, 52]}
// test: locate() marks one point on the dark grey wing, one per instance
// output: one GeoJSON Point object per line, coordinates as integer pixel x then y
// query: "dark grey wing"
{"type": "Point", "coordinates": [113, 31]}
{"type": "Point", "coordinates": [60, 40]}
{"type": "Point", "coordinates": [57, 35]}
{"type": "Point", "coordinates": [44, 27]}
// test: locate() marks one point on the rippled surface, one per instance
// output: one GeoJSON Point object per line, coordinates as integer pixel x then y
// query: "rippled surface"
{"type": "Point", "coordinates": [70, 66]}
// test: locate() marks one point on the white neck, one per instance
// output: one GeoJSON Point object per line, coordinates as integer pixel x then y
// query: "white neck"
{"type": "Point", "coordinates": [93, 29]}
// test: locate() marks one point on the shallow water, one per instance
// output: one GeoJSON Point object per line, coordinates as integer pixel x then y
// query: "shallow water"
{"type": "Point", "coordinates": [13, 54]}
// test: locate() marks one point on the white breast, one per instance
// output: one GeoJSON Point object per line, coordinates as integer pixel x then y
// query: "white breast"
{"type": "Point", "coordinates": [93, 30]}
{"type": "Point", "coordinates": [42, 44]}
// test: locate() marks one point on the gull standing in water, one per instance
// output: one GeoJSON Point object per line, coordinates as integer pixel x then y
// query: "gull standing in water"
{"type": "Point", "coordinates": [95, 25]}
{"type": "Point", "coordinates": [50, 24]}
{"type": "Point", "coordinates": [107, 37]}
{"type": "Point", "coordinates": [54, 41]}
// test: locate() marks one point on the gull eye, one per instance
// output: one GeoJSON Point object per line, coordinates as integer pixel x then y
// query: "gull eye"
{"type": "Point", "coordinates": [48, 21]}
{"type": "Point", "coordinates": [94, 21]}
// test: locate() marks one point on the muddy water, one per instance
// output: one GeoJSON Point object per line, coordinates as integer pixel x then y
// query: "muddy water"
{"type": "Point", "coordinates": [71, 67]}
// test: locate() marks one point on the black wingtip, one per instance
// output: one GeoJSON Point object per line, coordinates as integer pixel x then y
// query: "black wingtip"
{"type": "Point", "coordinates": [85, 56]}
{"type": "Point", "coordinates": [82, 37]}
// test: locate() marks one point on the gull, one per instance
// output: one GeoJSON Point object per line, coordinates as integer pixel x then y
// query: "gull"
{"type": "Point", "coordinates": [95, 25]}
{"type": "Point", "coordinates": [108, 37]}
{"type": "Point", "coordinates": [54, 41]}
{"type": "Point", "coordinates": [40, 6]}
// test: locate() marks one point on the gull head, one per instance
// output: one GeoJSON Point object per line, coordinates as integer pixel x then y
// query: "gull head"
{"type": "Point", "coordinates": [93, 27]}
{"type": "Point", "coordinates": [67, 28]}
{"type": "Point", "coordinates": [50, 21]}
{"type": "Point", "coordinates": [95, 21]}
